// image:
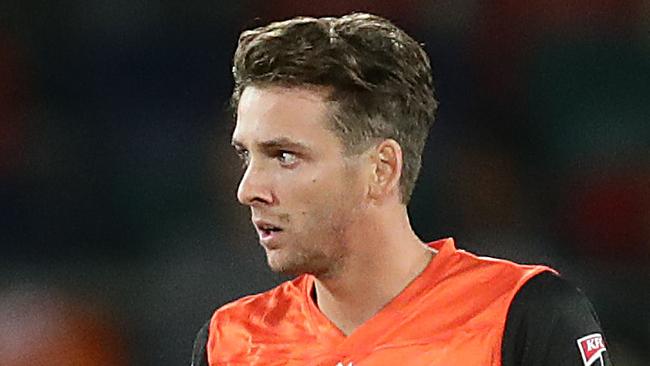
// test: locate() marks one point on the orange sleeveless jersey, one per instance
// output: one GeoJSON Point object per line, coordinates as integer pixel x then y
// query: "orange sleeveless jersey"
{"type": "Point", "coordinates": [453, 313]}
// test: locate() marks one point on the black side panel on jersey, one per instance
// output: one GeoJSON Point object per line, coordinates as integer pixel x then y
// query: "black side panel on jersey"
{"type": "Point", "coordinates": [546, 318]}
{"type": "Point", "coordinates": [199, 352]}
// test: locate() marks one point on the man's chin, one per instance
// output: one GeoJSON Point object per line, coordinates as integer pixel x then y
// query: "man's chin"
{"type": "Point", "coordinates": [285, 270]}
{"type": "Point", "coordinates": [294, 269]}
{"type": "Point", "coordinates": [284, 266]}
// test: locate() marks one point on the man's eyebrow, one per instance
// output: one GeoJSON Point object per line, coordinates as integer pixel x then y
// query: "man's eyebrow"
{"type": "Point", "coordinates": [283, 142]}
{"type": "Point", "coordinates": [279, 142]}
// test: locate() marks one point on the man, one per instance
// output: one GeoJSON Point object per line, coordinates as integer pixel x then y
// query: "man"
{"type": "Point", "coordinates": [331, 119]}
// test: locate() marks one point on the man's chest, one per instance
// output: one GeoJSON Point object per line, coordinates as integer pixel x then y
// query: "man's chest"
{"type": "Point", "coordinates": [459, 348]}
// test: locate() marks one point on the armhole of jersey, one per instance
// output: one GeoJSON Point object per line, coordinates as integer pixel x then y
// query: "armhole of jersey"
{"type": "Point", "coordinates": [514, 334]}
{"type": "Point", "coordinates": [544, 303]}
{"type": "Point", "coordinates": [199, 351]}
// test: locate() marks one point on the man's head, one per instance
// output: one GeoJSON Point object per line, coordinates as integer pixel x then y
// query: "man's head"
{"type": "Point", "coordinates": [332, 116]}
{"type": "Point", "coordinates": [379, 79]}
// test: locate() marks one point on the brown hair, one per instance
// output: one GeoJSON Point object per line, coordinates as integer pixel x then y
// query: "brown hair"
{"type": "Point", "coordinates": [379, 76]}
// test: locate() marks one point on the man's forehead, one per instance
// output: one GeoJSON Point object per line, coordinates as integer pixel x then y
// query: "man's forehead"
{"type": "Point", "coordinates": [267, 137]}
{"type": "Point", "coordinates": [287, 100]}
{"type": "Point", "coordinates": [318, 92]}
{"type": "Point", "coordinates": [281, 115]}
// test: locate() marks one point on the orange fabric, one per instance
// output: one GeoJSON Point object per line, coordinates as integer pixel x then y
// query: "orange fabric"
{"type": "Point", "coordinates": [452, 314]}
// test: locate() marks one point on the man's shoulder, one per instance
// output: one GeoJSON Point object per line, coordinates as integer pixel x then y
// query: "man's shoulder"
{"type": "Point", "coordinates": [286, 293]}
{"type": "Point", "coordinates": [498, 268]}
{"type": "Point", "coordinates": [550, 319]}
{"type": "Point", "coordinates": [459, 262]}
{"type": "Point", "coordinates": [247, 315]}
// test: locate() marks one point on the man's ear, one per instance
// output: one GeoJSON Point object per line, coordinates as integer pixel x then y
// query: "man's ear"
{"type": "Point", "coordinates": [387, 162]}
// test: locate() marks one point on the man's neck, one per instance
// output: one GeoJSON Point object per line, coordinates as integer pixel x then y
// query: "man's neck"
{"type": "Point", "coordinates": [383, 265]}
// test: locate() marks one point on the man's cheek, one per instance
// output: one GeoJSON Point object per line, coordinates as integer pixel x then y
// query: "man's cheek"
{"type": "Point", "coordinates": [308, 199]}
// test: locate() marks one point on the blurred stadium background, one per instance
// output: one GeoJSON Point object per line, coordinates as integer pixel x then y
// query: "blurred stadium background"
{"type": "Point", "coordinates": [119, 228]}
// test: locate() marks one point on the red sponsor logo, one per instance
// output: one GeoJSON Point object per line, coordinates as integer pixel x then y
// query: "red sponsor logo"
{"type": "Point", "coordinates": [591, 348]}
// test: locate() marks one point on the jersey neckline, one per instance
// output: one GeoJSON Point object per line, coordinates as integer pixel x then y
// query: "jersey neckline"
{"type": "Point", "coordinates": [330, 335]}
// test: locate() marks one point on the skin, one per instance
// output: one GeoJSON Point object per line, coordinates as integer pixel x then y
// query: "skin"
{"type": "Point", "coordinates": [341, 216]}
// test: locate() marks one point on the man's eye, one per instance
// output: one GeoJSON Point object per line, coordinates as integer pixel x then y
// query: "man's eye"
{"type": "Point", "coordinates": [243, 156]}
{"type": "Point", "coordinates": [286, 157]}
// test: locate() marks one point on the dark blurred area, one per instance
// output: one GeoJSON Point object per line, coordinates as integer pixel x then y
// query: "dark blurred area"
{"type": "Point", "coordinates": [118, 217]}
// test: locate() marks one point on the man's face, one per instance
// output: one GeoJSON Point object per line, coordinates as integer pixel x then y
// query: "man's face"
{"type": "Point", "coordinates": [304, 193]}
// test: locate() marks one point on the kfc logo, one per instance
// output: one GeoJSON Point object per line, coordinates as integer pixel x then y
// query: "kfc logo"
{"type": "Point", "coordinates": [591, 349]}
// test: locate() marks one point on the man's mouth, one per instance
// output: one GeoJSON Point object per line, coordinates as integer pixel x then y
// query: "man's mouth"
{"type": "Point", "coordinates": [267, 230]}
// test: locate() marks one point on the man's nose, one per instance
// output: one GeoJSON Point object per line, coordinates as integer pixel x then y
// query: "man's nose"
{"type": "Point", "coordinates": [254, 188]}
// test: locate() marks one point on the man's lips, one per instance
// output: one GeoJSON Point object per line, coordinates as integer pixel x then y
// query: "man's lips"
{"type": "Point", "coordinates": [266, 230]}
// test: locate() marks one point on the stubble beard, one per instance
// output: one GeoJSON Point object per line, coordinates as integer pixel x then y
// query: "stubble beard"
{"type": "Point", "coordinates": [319, 252]}
{"type": "Point", "coordinates": [320, 248]}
